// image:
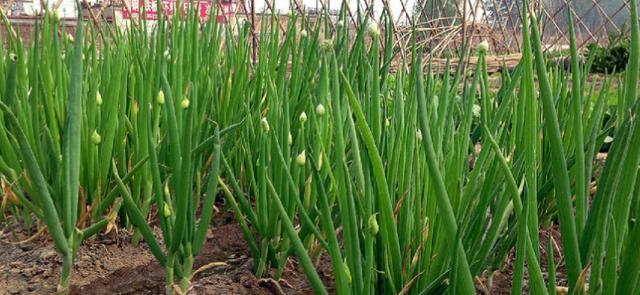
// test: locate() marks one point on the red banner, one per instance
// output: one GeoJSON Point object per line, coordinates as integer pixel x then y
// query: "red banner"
{"type": "Point", "coordinates": [168, 8]}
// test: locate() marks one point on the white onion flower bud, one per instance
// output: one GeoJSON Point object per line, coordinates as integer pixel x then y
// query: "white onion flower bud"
{"type": "Point", "coordinates": [95, 137]}
{"type": "Point", "coordinates": [301, 159]}
{"type": "Point", "coordinates": [160, 97]}
{"type": "Point", "coordinates": [320, 110]}
{"type": "Point", "coordinates": [347, 273]}
{"type": "Point", "coordinates": [265, 125]}
{"type": "Point", "coordinates": [326, 45]}
{"type": "Point", "coordinates": [166, 210]}
{"type": "Point", "coordinates": [185, 103]}
{"type": "Point", "coordinates": [483, 46]}
{"type": "Point", "coordinates": [373, 225]}
{"type": "Point", "coordinates": [374, 30]}
{"type": "Point", "coordinates": [98, 98]}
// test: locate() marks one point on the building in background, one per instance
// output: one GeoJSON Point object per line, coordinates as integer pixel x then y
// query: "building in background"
{"type": "Point", "coordinates": [26, 8]}
{"type": "Point", "coordinates": [118, 9]}
{"type": "Point", "coordinates": [284, 6]}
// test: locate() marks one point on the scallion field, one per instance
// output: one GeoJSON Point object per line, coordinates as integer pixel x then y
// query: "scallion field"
{"type": "Point", "coordinates": [336, 163]}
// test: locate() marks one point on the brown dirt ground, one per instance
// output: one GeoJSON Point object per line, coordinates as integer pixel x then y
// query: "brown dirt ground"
{"type": "Point", "coordinates": [499, 281]}
{"type": "Point", "coordinates": [109, 264]}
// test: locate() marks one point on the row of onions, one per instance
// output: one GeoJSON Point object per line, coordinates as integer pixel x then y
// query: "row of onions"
{"type": "Point", "coordinates": [325, 141]}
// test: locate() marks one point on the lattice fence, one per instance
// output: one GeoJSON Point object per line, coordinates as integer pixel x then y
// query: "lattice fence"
{"type": "Point", "coordinates": [442, 25]}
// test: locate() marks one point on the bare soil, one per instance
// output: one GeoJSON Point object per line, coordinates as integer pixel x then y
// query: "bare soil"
{"type": "Point", "coordinates": [500, 281]}
{"type": "Point", "coordinates": [110, 264]}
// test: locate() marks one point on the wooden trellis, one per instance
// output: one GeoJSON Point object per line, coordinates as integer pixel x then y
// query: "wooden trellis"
{"type": "Point", "coordinates": [443, 24]}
